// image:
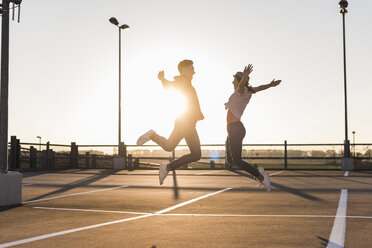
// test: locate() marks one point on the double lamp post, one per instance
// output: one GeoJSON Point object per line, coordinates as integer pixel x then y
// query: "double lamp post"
{"type": "Point", "coordinates": [115, 22]}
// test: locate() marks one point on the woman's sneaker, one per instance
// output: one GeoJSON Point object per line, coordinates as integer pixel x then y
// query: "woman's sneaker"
{"type": "Point", "coordinates": [163, 172]}
{"type": "Point", "coordinates": [145, 137]}
{"type": "Point", "coordinates": [266, 182]}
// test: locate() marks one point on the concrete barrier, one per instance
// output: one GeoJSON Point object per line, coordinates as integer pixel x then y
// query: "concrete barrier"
{"type": "Point", "coordinates": [119, 163]}
{"type": "Point", "coordinates": [10, 188]}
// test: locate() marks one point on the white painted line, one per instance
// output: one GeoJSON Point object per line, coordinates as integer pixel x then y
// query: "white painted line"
{"type": "Point", "coordinates": [90, 210]}
{"type": "Point", "coordinates": [210, 215]}
{"type": "Point", "coordinates": [80, 193]}
{"type": "Point", "coordinates": [337, 238]}
{"type": "Point", "coordinates": [143, 172]}
{"type": "Point", "coordinates": [23, 241]}
{"type": "Point", "coordinates": [191, 201]}
{"type": "Point", "coordinates": [346, 173]}
{"type": "Point", "coordinates": [276, 173]}
{"type": "Point", "coordinates": [208, 173]}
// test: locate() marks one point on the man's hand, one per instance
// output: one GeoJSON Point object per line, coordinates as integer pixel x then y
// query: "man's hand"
{"type": "Point", "coordinates": [161, 75]}
{"type": "Point", "coordinates": [275, 82]}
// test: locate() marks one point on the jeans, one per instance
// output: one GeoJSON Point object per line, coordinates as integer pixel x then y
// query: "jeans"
{"type": "Point", "coordinates": [182, 129]}
{"type": "Point", "coordinates": [236, 134]}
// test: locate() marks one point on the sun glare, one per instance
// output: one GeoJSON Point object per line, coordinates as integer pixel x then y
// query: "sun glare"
{"type": "Point", "coordinates": [174, 103]}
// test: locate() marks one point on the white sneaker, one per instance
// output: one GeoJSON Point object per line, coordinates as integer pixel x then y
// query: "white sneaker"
{"type": "Point", "coordinates": [145, 137]}
{"type": "Point", "coordinates": [163, 172]}
{"type": "Point", "coordinates": [266, 182]}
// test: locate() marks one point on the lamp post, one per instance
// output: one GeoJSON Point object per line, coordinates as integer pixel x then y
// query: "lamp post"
{"type": "Point", "coordinates": [39, 137]}
{"type": "Point", "coordinates": [346, 161]}
{"type": "Point", "coordinates": [114, 21]}
{"type": "Point", "coordinates": [354, 141]}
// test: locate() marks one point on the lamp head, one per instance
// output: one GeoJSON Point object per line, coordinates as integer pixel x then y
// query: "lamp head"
{"type": "Point", "coordinates": [343, 4]}
{"type": "Point", "coordinates": [114, 21]}
{"type": "Point", "coordinates": [124, 26]}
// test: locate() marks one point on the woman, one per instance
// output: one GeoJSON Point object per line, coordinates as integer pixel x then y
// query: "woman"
{"type": "Point", "coordinates": [235, 128]}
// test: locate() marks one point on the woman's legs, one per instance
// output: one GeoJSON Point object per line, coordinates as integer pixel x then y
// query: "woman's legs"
{"type": "Point", "coordinates": [236, 132]}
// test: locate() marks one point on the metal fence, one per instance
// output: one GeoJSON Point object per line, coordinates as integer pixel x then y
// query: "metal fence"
{"type": "Point", "coordinates": [36, 156]}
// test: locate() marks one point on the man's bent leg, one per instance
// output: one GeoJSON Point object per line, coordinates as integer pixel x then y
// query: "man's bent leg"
{"type": "Point", "coordinates": [193, 142]}
{"type": "Point", "coordinates": [170, 143]}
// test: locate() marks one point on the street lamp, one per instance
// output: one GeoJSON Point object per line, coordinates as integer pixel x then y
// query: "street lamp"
{"type": "Point", "coordinates": [346, 161]}
{"type": "Point", "coordinates": [39, 137]}
{"type": "Point", "coordinates": [354, 141]}
{"type": "Point", "coordinates": [114, 21]}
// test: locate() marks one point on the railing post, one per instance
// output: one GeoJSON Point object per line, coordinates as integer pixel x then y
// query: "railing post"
{"type": "Point", "coordinates": [18, 153]}
{"type": "Point", "coordinates": [87, 160]}
{"type": "Point", "coordinates": [52, 159]}
{"type": "Point", "coordinates": [130, 162]}
{"type": "Point", "coordinates": [47, 159]}
{"type": "Point", "coordinates": [285, 155]}
{"type": "Point", "coordinates": [32, 158]}
{"type": "Point", "coordinates": [12, 157]}
{"type": "Point", "coordinates": [122, 150]}
{"type": "Point", "coordinates": [74, 156]}
{"type": "Point", "coordinates": [94, 161]}
{"type": "Point", "coordinates": [212, 164]}
{"type": "Point", "coordinates": [228, 159]}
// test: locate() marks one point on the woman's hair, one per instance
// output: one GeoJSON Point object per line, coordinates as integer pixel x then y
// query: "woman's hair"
{"type": "Point", "coordinates": [246, 84]}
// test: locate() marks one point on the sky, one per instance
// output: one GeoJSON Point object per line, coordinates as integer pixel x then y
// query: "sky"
{"type": "Point", "coordinates": [64, 68]}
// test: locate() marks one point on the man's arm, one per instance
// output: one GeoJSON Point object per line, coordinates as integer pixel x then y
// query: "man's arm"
{"type": "Point", "coordinates": [166, 83]}
{"type": "Point", "coordinates": [266, 86]}
{"type": "Point", "coordinates": [247, 70]}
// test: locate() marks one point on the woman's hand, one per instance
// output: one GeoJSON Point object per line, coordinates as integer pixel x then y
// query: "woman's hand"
{"type": "Point", "coordinates": [275, 82]}
{"type": "Point", "coordinates": [247, 70]}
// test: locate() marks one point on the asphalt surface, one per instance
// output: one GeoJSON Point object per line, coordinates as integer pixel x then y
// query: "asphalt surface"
{"type": "Point", "coordinates": [119, 208]}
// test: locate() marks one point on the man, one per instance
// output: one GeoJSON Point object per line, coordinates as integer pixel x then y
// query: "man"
{"type": "Point", "coordinates": [184, 126]}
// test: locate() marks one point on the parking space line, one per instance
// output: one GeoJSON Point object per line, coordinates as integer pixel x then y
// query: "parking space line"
{"type": "Point", "coordinates": [80, 193]}
{"type": "Point", "coordinates": [200, 174]}
{"type": "Point", "coordinates": [337, 238]}
{"type": "Point", "coordinates": [89, 210]}
{"type": "Point", "coordinates": [276, 173]}
{"type": "Point", "coordinates": [23, 241]}
{"type": "Point", "coordinates": [209, 215]}
{"type": "Point", "coordinates": [191, 201]}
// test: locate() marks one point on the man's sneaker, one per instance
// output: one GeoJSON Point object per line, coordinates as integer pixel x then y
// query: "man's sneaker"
{"type": "Point", "coordinates": [163, 172]}
{"type": "Point", "coordinates": [145, 137]}
{"type": "Point", "coordinates": [266, 182]}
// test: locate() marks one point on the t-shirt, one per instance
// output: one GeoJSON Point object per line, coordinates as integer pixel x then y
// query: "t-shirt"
{"type": "Point", "coordinates": [237, 102]}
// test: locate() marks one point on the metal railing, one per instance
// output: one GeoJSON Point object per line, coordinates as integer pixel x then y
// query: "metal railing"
{"type": "Point", "coordinates": [271, 156]}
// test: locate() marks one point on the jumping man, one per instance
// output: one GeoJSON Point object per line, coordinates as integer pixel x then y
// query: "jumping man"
{"type": "Point", "coordinates": [184, 126]}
